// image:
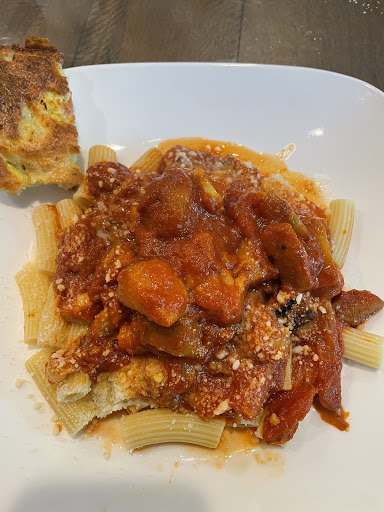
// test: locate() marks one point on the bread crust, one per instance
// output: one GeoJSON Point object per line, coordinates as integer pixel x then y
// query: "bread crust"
{"type": "Point", "coordinates": [38, 137]}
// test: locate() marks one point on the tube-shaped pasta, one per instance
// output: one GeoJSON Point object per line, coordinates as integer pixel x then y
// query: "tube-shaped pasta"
{"type": "Point", "coordinates": [76, 331]}
{"type": "Point", "coordinates": [100, 153]}
{"type": "Point", "coordinates": [157, 426]}
{"type": "Point", "coordinates": [240, 422]}
{"type": "Point", "coordinates": [73, 415]}
{"type": "Point", "coordinates": [81, 197]}
{"type": "Point", "coordinates": [69, 212]}
{"type": "Point", "coordinates": [33, 286]}
{"type": "Point", "coordinates": [363, 347]}
{"type": "Point", "coordinates": [75, 386]}
{"type": "Point", "coordinates": [149, 162]}
{"type": "Point", "coordinates": [47, 227]}
{"type": "Point", "coordinates": [53, 329]}
{"type": "Point", "coordinates": [340, 224]}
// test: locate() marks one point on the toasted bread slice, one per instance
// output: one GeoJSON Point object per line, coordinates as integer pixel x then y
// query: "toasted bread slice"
{"type": "Point", "coordinates": [38, 137]}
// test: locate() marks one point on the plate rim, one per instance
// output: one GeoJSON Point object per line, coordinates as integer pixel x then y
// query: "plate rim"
{"type": "Point", "coordinates": [249, 65]}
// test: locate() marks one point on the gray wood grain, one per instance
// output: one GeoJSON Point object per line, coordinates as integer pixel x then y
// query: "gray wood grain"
{"type": "Point", "coordinates": [62, 21]}
{"type": "Point", "coordinates": [346, 36]}
{"type": "Point", "coordinates": [161, 30]}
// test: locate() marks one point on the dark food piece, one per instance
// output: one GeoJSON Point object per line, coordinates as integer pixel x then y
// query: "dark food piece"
{"type": "Point", "coordinates": [356, 306]}
{"type": "Point", "coordinates": [295, 314]}
{"type": "Point", "coordinates": [253, 262]}
{"type": "Point", "coordinates": [289, 255]}
{"type": "Point", "coordinates": [167, 207]}
{"type": "Point", "coordinates": [285, 410]}
{"type": "Point", "coordinates": [322, 366]}
{"type": "Point", "coordinates": [182, 339]}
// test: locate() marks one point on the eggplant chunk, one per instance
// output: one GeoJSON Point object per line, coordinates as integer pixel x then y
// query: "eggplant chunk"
{"type": "Point", "coordinates": [166, 208]}
{"type": "Point", "coordinates": [289, 255]}
{"type": "Point", "coordinates": [284, 412]}
{"type": "Point", "coordinates": [254, 264]}
{"type": "Point", "coordinates": [222, 298]}
{"type": "Point", "coordinates": [183, 339]}
{"type": "Point", "coordinates": [153, 289]}
{"type": "Point", "coordinates": [356, 306]}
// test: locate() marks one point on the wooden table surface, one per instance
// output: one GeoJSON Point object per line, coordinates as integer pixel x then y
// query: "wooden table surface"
{"type": "Point", "coordinates": [346, 36]}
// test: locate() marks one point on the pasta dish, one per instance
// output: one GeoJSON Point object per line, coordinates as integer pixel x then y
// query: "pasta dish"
{"type": "Point", "coordinates": [194, 293]}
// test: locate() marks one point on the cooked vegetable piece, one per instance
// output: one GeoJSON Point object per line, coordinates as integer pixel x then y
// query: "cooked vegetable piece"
{"type": "Point", "coordinates": [289, 255]}
{"type": "Point", "coordinates": [302, 206]}
{"type": "Point", "coordinates": [182, 339]}
{"type": "Point", "coordinates": [254, 264]}
{"type": "Point", "coordinates": [240, 208]}
{"type": "Point", "coordinates": [129, 340]}
{"type": "Point", "coordinates": [153, 289]}
{"type": "Point", "coordinates": [198, 257]}
{"type": "Point", "coordinates": [272, 207]}
{"type": "Point", "coordinates": [295, 314]}
{"type": "Point", "coordinates": [326, 333]}
{"type": "Point", "coordinates": [356, 306]}
{"type": "Point", "coordinates": [222, 297]}
{"type": "Point", "coordinates": [166, 208]}
{"type": "Point", "coordinates": [211, 199]}
{"type": "Point", "coordinates": [284, 412]}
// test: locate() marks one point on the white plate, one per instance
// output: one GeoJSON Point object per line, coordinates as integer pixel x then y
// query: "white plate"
{"type": "Point", "coordinates": [337, 125]}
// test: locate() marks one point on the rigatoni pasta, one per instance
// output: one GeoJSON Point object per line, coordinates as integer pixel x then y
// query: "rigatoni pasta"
{"type": "Point", "coordinates": [101, 153]}
{"type": "Point", "coordinates": [47, 227]}
{"type": "Point", "coordinates": [74, 387]}
{"type": "Point", "coordinates": [33, 285]}
{"type": "Point", "coordinates": [201, 291]}
{"type": "Point", "coordinates": [341, 222]}
{"type": "Point", "coordinates": [156, 426]}
{"type": "Point", "coordinates": [363, 347]}
{"type": "Point", "coordinates": [73, 415]}
{"type": "Point", "coordinates": [148, 162]}
{"type": "Point", "coordinates": [53, 330]}
{"type": "Point", "coordinates": [69, 212]}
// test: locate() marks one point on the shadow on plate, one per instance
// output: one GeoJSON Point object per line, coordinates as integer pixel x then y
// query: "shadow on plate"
{"type": "Point", "coordinates": [104, 496]}
{"type": "Point", "coordinates": [40, 194]}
